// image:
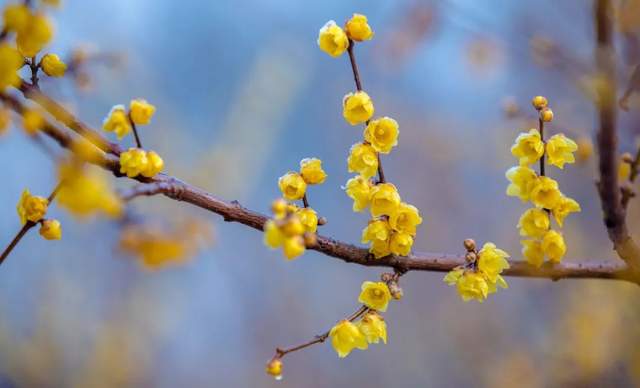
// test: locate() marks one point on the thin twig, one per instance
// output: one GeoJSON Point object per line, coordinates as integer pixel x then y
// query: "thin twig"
{"type": "Point", "coordinates": [135, 131]}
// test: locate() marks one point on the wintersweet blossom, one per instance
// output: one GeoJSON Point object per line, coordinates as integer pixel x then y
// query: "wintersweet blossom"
{"type": "Point", "coordinates": [292, 186]}
{"type": "Point", "coordinates": [382, 134]}
{"type": "Point", "coordinates": [363, 160]}
{"type": "Point", "coordinates": [528, 147]}
{"type": "Point", "coordinates": [332, 39]}
{"type": "Point", "coordinates": [359, 189]}
{"type": "Point", "coordinates": [312, 172]}
{"type": "Point", "coordinates": [345, 336]}
{"type": "Point", "coordinates": [358, 29]}
{"type": "Point", "coordinates": [534, 223]}
{"type": "Point", "coordinates": [357, 107]}
{"type": "Point", "coordinates": [375, 295]}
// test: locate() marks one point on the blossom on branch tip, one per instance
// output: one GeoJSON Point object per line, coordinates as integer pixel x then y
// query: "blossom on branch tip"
{"type": "Point", "coordinates": [53, 66]}
{"type": "Point", "coordinates": [358, 29]}
{"type": "Point", "coordinates": [528, 147]}
{"type": "Point", "coordinates": [359, 189]}
{"type": "Point", "coordinates": [31, 207]}
{"type": "Point", "coordinates": [141, 111]}
{"type": "Point", "coordinates": [384, 200]}
{"type": "Point", "coordinates": [539, 102]}
{"type": "Point", "coordinates": [292, 186]}
{"type": "Point", "coordinates": [357, 107]}
{"type": "Point", "coordinates": [374, 328]}
{"type": "Point", "coordinates": [117, 121]}
{"type": "Point", "coordinates": [363, 160]}
{"type": "Point", "coordinates": [10, 63]}
{"type": "Point", "coordinates": [51, 230]}
{"type": "Point", "coordinates": [560, 150]}
{"type": "Point", "coordinates": [546, 115]}
{"type": "Point", "coordinates": [274, 368]}
{"type": "Point", "coordinates": [345, 336]}
{"type": "Point", "coordinates": [332, 39]}
{"type": "Point", "coordinates": [311, 171]}
{"type": "Point", "coordinates": [375, 295]}
{"type": "Point", "coordinates": [382, 133]}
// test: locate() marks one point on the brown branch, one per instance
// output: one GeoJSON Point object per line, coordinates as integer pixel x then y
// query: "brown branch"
{"type": "Point", "coordinates": [175, 189]}
{"type": "Point", "coordinates": [608, 186]}
{"type": "Point", "coordinates": [135, 131]}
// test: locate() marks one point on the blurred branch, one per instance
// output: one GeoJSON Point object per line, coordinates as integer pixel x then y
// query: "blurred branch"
{"type": "Point", "coordinates": [178, 190]}
{"type": "Point", "coordinates": [632, 86]}
{"type": "Point", "coordinates": [608, 185]}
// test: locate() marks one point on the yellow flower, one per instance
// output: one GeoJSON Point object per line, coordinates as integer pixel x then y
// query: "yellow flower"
{"type": "Point", "coordinates": [293, 247]}
{"type": "Point", "coordinates": [16, 17]}
{"type": "Point", "coordinates": [273, 236]}
{"type": "Point", "coordinates": [378, 232]}
{"type": "Point", "coordinates": [309, 219]}
{"type": "Point", "coordinates": [292, 186]}
{"type": "Point", "coordinates": [358, 29]}
{"type": "Point", "coordinates": [560, 150]}
{"type": "Point", "coordinates": [31, 208]}
{"type": "Point", "coordinates": [453, 276]}
{"type": "Point", "coordinates": [32, 121]}
{"type": "Point", "coordinates": [380, 248]}
{"type": "Point", "coordinates": [279, 208]}
{"type": "Point", "coordinates": [534, 223]}
{"type": "Point", "coordinates": [565, 206]}
{"type": "Point", "coordinates": [34, 36]}
{"type": "Point", "coordinates": [585, 148]}
{"type": "Point", "coordinates": [10, 62]}
{"type": "Point", "coordinates": [400, 243]}
{"type": "Point", "coordinates": [133, 162]}
{"type": "Point", "coordinates": [359, 189]}
{"type": "Point", "coordinates": [539, 102]}
{"type": "Point", "coordinates": [117, 121]}
{"type": "Point", "coordinates": [545, 193]}
{"type": "Point", "coordinates": [624, 170]}
{"type": "Point", "coordinates": [292, 226]}
{"type": "Point", "coordinates": [5, 119]}
{"type": "Point", "coordinates": [53, 66]}
{"type": "Point", "coordinates": [141, 111]}
{"type": "Point", "coordinates": [51, 230]}
{"type": "Point", "coordinates": [154, 165]}
{"type": "Point", "coordinates": [553, 246]}
{"type": "Point", "coordinates": [357, 107]}
{"type": "Point", "coordinates": [311, 171]}
{"type": "Point", "coordinates": [528, 147]}
{"type": "Point", "coordinates": [532, 252]}
{"type": "Point", "coordinates": [382, 133]}
{"type": "Point", "coordinates": [405, 219]}
{"type": "Point", "coordinates": [375, 295]}
{"type": "Point", "coordinates": [472, 285]}
{"type": "Point", "coordinates": [363, 160]}
{"type": "Point", "coordinates": [274, 368]}
{"type": "Point", "coordinates": [332, 39]}
{"type": "Point", "coordinates": [373, 327]}
{"type": "Point", "coordinates": [384, 199]}
{"type": "Point", "coordinates": [86, 192]}
{"type": "Point", "coordinates": [345, 336]}
{"type": "Point", "coordinates": [492, 261]}
{"type": "Point", "coordinates": [523, 180]}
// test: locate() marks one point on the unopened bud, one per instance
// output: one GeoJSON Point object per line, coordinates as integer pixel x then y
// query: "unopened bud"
{"type": "Point", "coordinates": [546, 115]}
{"type": "Point", "coordinates": [322, 220]}
{"type": "Point", "coordinates": [310, 239]}
{"type": "Point", "coordinates": [469, 245]}
{"type": "Point", "coordinates": [471, 257]}
{"type": "Point", "coordinates": [274, 368]}
{"type": "Point", "coordinates": [396, 291]}
{"type": "Point", "coordinates": [539, 102]}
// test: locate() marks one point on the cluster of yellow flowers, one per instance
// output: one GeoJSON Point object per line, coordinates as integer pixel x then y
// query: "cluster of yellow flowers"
{"type": "Point", "coordinates": [122, 121]}
{"type": "Point", "coordinates": [480, 275]}
{"type": "Point", "coordinates": [393, 224]}
{"type": "Point", "coordinates": [542, 191]}
{"type": "Point", "coordinates": [33, 208]}
{"type": "Point", "coordinates": [370, 329]}
{"type": "Point", "coordinates": [293, 228]}
{"type": "Point", "coordinates": [137, 161]}
{"type": "Point", "coordinates": [33, 31]}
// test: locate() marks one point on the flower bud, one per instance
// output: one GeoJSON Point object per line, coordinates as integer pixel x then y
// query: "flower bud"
{"type": "Point", "coordinates": [274, 368]}
{"type": "Point", "coordinates": [546, 115]}
{"type": "Point", "coordinates": [539, 102]}
{"type": "Point", "coordinates": [469, 245]}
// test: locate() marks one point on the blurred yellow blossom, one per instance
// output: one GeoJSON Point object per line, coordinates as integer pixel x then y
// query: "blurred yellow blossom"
{"type": "Point", "coordinates": [51, 230]}
{"type": "Point", "coordinates": [141, 111]}
{"type": "Point", "coordinates": [5, 119]}
{"type": "Point", "coordinates": [585, 148]}
{"type": "Point", "coordinates": [359, 189]}
{"type": "Point", "coordinates": [293, 247]}
{"type": "Point", "coordinates": [358, 29]}
{"type": "Point", "coordinates": [311, 171]}
{"type": "Point", "coordinates": [34, 35]}
{"type": "Point", "coordinates": [560, 150]}
{"type": "Point", "coordinates": [375, 295]}
{"type": "Point", "coordinates": [624, 170]}
{"type": "Point", "coordinates": [363, 160]}
{"type": "Point", "coordinates": [374, 328]}
{"type": "Point", "coordinates": [117, 121]}
{"type": "Point", "coordinates": [546, 193]}
{"type": "Point", "coordinates": [382, 133]}
{"type": "Point", "coordinates": [292, 186]}
{"type": "Point", "coordinates": [357, 107]}
{"type": "Point", "coordinates": [53, 66]}
{"type": "Point", "coordinates": [10, 62]}
{"type": "Point", "coordinates": [16, 17]}
{"type": "Point", "coordinates": [384, 199]}
{"type": "Point", "coordinates": [84, 192]}
{"type": "Point", "coordinates": [273, 236]}
{"type": "Point", "coordinates": [31, 207]}
{"type": "Point", "coordinates": [528, 147]}
{"type": "Point", "coordinates": [345, 336]}
{"type": "Point", "coordinates": [332, 39]}
{"type": "Point", "coordinates": [32, 121]}
{"type": "Point", "coordinates": [534, 223]}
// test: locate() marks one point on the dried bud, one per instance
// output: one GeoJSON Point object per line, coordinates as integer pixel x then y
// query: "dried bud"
{"type": "Point", "coordinates": [322, 220]}
{"type": "Point", "coordinates": [469, 245]}
{"type": "Point", "coordinates": [627, 158]}
{"type": "Point", "coordinates": [386, 277]}
{"type": "Point", "coordinates": [471, 257]}
{"type": "Point", "coordinates": [310, 239]}
{"type": "Point", "coordinates": [539, 102]}
{"type": "Point", "coordinates": [546, 115]}
{"type": "Point", "coordinates": [396, 291]}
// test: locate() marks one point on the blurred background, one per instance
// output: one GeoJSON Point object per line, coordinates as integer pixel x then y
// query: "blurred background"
{"type": "Point", "coordinates": [243, 93]}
